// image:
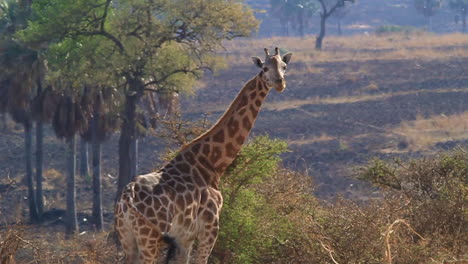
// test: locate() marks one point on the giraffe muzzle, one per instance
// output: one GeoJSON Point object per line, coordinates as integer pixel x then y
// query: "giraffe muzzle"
{"type": "Point", "coordinates": [280, 85]}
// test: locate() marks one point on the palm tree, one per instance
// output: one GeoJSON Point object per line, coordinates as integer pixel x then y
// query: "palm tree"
{"type": "Point", "coordinates": [23, 71]}
{"type": "Point", "coordinates": [103, 122]}
{"type": "Point", "coordinates": [69, 119]}
{"type": "Point", "coordinates": [43, 107]}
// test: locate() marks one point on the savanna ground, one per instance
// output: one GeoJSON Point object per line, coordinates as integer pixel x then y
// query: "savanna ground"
{"type": "Point", "coordinates": [390, 96]}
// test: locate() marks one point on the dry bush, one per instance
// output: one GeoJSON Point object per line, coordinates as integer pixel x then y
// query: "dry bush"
{"type": "Point", "coordinates": [10, 243]}
{"type": "Point", "coordinates": [421, 219]}
{"type": "Point", "coordinates": [432, 194]}
{"type": "Point", "coordinates": [43, 245]}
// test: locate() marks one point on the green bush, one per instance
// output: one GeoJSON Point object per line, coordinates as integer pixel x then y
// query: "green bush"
{"type": "Point", "coordinates": [271, 216]}
{"type": "Point", "coordinates": [250, 226]}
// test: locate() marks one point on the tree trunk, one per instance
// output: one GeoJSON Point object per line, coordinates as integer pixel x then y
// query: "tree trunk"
{"type": "Point", "coordinates": [134, 154]}
{"type": "Point", "coordinates": [127, 137]}
{"type": "Point", "coordinates": [71, 226]}
{"type": "Point", "coordinates": [319, 40]}
{"type": "Point", "coordinates": [429, 23]}
{"type": "Point", "coordinates": [39, 166]}
{"type": "Point", "coordinates": [97, 194]}
{"type": "Point", "coordinates": [33, 215]}
{"type": "Point", "coordinates": [464, 22]}
{"type": "Point", "coordinates": [39, 159]}
{"type": "Point", "coordinates": [4, 121]}
{"type": "Point", "coordinates": [84, 165]}
{"type": "Point", "coordinates": [301, 23]}
{"type": "Point", "coordinates": [339, 28]}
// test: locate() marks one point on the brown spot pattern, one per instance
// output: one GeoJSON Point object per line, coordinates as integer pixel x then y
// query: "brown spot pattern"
{"type": "Point", "coordinates": [233, 126]}
{"type": "Point", "coordinates": [246, 123]}
{"type": "Point", "coordinates": [219, 137]}
{"type": "Point", "coordinates": [230, 150]}
{"type": "Point", "coordinates": [190, 158]}
{"type": "Point", "coordinates": [206, 149]}
{"type": "Point", "coordinates": [184, 168]}
{"type": "Point", "coordinates": [215, 155]}
{"type": "Point", "coordinates": [196, 148]}
{"type": "Point", "coordinates": [254, 111]}
{"type": "Point", "coordinates": [243, 102]}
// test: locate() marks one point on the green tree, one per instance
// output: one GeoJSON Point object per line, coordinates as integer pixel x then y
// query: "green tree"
{"type": "Point", "coordinates": [461, 7]}
{"type": "Point", "coordinates": [140, 45]}
{"type": "Point", "coordinates": [428, 8]}
{"type": "Point", "coordinates": [329, 7]}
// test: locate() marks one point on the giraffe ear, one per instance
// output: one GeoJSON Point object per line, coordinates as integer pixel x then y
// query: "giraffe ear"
{"type": "Point", "coordinates": [258, 62]}
{"type": "Point", "coordinates": [287, 57]}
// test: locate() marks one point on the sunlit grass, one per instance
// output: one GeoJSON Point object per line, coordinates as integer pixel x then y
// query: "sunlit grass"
{"type": "Point", "coordinates": [359, 47]}
{"type": "Point", "coordinates": [424, 133]}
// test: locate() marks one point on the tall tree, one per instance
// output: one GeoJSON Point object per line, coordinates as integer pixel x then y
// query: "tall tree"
{"type": "Point", "coordinates": [428, 8]}
{"type": "Point", "coordinates": [84, 157]}
{"type": "Point", "coordinates": [39, 155]}
{"type": "Point", "coordinates": [329, 7]}
{"type": "Point", "coordinates": [139, 44]}
{"type": "Point", "coordinates": [69, 119]}
{"type": "Point", "coordinates": [43, 107]}
{"type": "Point", "coordinates": [22, 73]}
{"type": "Point", "coordinates": [103, 122]}
{"type": "Point", "coordinates": [461, 7]}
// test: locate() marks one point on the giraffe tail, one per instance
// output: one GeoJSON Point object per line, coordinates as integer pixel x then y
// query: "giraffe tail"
{"type": "Point", "coordinates": [171, 251]}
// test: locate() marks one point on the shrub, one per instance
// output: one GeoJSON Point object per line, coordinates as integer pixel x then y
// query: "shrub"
{"type": "Point", "coordinates": [432, 194]}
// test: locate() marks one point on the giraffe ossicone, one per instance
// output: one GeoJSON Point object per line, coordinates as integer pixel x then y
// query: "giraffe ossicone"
{"type": "Point", "coordinates": [181, 202]}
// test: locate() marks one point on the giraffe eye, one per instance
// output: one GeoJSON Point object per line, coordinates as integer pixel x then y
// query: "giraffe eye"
{"type": "Point", "coordinates": [284, 68]}
{"type": "Point", "coordinates": [265, 69]}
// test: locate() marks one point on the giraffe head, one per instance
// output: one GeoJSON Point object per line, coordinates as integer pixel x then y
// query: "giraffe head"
{"type": "Point", "coordinates": [273, 69]}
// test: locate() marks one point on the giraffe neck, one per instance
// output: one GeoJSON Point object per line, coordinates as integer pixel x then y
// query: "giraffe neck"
{"type": "Point", "coordinates": [211, 153]}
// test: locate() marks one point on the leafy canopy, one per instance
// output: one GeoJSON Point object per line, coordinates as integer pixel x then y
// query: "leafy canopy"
{"type": "Point", "coordinates": [163, 43]}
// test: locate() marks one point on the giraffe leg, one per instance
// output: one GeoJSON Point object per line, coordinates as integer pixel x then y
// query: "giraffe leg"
{"type": "Point", "coordinates": [148, 249]}
{"type": "Point", "coordinates": [182, 255]}
{"type": "Point", "coordinates": [206, 242]}
{"type": "Point", "coordinates": [129, 245]}
{"type": "Point", "coordinates": [126, 237]}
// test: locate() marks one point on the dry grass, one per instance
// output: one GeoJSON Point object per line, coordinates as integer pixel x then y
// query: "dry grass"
{"type": "Point", "coordinates": [302, 141]}
{"type": "Point", "coordinates": [33, 244]}
{"type": "Point", "coordinates": [358, 47]}
{"type": "Point", "coordinates": [423, 133]}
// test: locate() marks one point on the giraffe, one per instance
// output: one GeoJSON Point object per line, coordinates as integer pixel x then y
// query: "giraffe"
{"type": "Point", "coordinates": [180, 203]}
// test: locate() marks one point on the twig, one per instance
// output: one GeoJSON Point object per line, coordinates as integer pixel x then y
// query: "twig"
{"type": "Point", "coordinates": [329, 250]}
{"type": "Point", "coordinates": [388, 253]}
